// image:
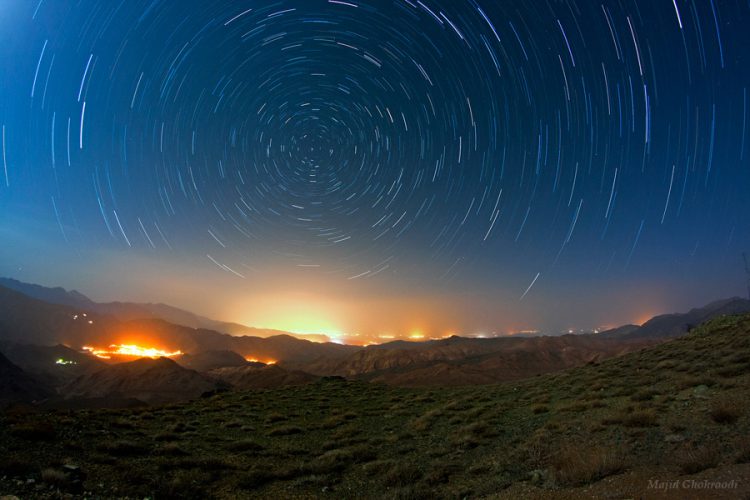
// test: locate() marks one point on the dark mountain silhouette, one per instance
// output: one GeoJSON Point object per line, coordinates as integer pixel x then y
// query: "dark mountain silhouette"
{"type": "Point", "coordinates": [675, 325]}
{"type": "Point", "coordinates": [263, 377]}
{"type": "Point", "coordinates": [31, 321]}
{"type": "Point", "coordinates": [129, 311]}
{"type": "Point", "coordinates": [619, 332]}
{"type": "Point", "coordinates": [211, 360]}
{"type": "Point", "coordinates": [153, 381]}
{"type": "Point", "coordinates": [461, 361]}
{"type": "Point", "coordinates": [452, 361]}
{"type": "Point", "coordinates": [52, 365]}
{"type": "Point", "coordinates": [15, 385]}
{"type": "Point", "coordinates": [56, 295]}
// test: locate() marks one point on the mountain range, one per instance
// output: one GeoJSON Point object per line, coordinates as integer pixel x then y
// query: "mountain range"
{"type": "Point", "coordinates": [128, 311]}
{"type": "Point", "coordinates": [43, 331]}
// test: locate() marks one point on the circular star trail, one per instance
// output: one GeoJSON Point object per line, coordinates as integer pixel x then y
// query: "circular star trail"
{"type": "Point", "coordinates": [508, 141]}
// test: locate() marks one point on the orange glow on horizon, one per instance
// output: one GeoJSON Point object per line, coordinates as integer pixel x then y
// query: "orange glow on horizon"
{"type": "Point", "coordinates": [253, 359]}
{"type": "Point", "coordinates": [643, 318]}
{"type": "Point", "coordinates": [131, 350]}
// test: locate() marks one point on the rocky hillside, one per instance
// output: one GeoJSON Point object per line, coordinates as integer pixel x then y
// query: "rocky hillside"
{"type": "Point", "coordinates": [466, 361]}
{"type": "Point", "coordinates": [153, 381]}
{"type": "Point", "coordinates": [678, 324]}
{"type": "Point", "coordinates": [261, 377]}
{"type": "Point", "coordinates": [15, 385]}
{"type": "Point", "coordinates": [674, 412]}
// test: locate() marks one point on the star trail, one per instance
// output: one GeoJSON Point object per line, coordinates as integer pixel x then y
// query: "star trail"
{"type": "Point", "coordinates": [396, 164]}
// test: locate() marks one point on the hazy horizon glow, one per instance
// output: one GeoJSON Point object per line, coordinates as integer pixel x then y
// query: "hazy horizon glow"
{"type": "Point", "coordinates": [371, 170]}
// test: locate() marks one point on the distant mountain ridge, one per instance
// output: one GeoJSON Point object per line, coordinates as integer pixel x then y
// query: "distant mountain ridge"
{"type": "Point", "coordinates": [452, 361]}
{"type": "Point", "coordinates": [16, 385]}
{"type": "Point", "coordinates": [667, 326]}
{"type": "Point", "coordinates": [462, 361]}
{"type": "Point", "coordinates": [28, 320]}
{"type": "Point", "coordinates": [210, 360]}
{"type": "Point", "coordinates": [52, 365]}
{"type": "Point", "coordinates": [129, 311]}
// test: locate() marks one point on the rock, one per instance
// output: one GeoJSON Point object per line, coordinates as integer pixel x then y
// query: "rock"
{"type": "Point", "coordinates": [539, 476]}
{"type": "Point", "coordinates": [673, 438]}
{"type": "Point", "coordinates": [700, 392]}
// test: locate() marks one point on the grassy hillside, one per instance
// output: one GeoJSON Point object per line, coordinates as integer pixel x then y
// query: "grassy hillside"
{"type": "Point", "coordinates": [674, 411]}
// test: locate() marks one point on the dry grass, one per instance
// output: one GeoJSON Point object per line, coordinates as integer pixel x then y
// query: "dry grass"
{"type": "Point", "coordinates": [640, 418]}
{"type": "Point", "coordinates": [285, 430]}
{"type": "Point", "coordinates": [726, 411]}
{"type": "Point", "coordinates": [245, 445]}
{"type": "Point", "coordinates": [355, 439]}
{"type": "Point", "coordinates": [574, 465]}
{"type": "Point", "coordinates": [540, 408]}
{"type": "Point", "coordinates": [692, 460]}
{"type": "Point", "coordinates": [55, 477]}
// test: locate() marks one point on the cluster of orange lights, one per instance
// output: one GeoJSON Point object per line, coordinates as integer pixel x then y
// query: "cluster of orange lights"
{"type": "Point", "coordinates": [130, 350]}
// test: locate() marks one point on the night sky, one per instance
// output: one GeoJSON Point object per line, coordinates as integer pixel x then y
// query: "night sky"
{"type": "Point", "coordinates": [379, 167]}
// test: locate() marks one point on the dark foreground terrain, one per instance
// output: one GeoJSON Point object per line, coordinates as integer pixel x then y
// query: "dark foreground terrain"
{"type": "Point", "coordinates": [643, 425]}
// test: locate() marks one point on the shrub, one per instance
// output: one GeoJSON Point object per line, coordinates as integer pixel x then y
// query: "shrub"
{"type": "Point", "coordinates": [402, 474]}
{"type": "Point", "coordinates": [286, 430]}
{"type": "Point", "coordinates": [576, 465]}
{"type": "Point", "coordinates": [540, 408]}
{"type": "Point", "coordinates": [184, 485]}
{"type": "Point", "coordinates": [725, 411]}
{"type": "Point", "coordinates": [255, 478]}
{"type": "Point", "coordinates": [245, 445]}
{"type": "Point", "coordinates": [275, 417]}
{"type": "Point", "coordinates": [692, 461]}
{"type": "Point", "coordinates": [54, 477]}
{"type": "Point", "coordinates": [644, 395]}
{"type": "Point", "coordinates": [640, 418]}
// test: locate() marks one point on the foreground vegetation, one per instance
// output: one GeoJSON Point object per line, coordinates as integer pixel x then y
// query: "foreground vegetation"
{"type": "Point", "coordinates": [678, 408]}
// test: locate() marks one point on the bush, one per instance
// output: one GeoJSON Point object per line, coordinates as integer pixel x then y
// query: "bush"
{"type": "Point", "coordinates": [54, 477]}
{"type": "Point", "coordinates": [537, 409]}
{"type": "Point", "coordinates": [286, 430]}
{"type": "Point", "coordinates": [644, 395]}
{"type": "Point", "coordinates": [184, 485]}
{"type": "Point", "coordinates": [692, 461]}
{"type": "Point", "coordinates": [576, 465]}
{"type": "Point", "coordinates": [402, 474]}
{"type": "Point", "coordinates": [245, 445]}
{"type": "Point", "coordinates": [255, 478]}
{"type": "Point", "coordinates": [640, 418]}
{"type": "Point", "coordinates": [725, 411]}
